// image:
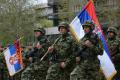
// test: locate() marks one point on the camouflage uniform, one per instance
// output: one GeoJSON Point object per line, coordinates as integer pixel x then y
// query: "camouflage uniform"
{"type": "Point", "coordinates": [88, 68]}
{"type": "Point", "coordinates": [37, 70]}
{"type": "Point", "coordinates": [3, 68]}
{"type": "Point", "coordinates": [63, 52]}
{"type": "Point", "coordinates": [114, 47]}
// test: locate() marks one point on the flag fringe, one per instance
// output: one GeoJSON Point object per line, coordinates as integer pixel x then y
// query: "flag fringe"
{"type": "Point", "coordinates": [108, 78]}
{"type": "Point", "coordinates": [74, 34]}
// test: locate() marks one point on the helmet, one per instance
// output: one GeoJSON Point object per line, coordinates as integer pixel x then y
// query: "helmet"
{"type": "Point", "coordinates": [42, 30]}
{"type": "Point", "coordinates": [63, 24]}
{"type": "Point", "coordinates": [89, 24]}
{"type": "Point", "coordinates": [112, 29]}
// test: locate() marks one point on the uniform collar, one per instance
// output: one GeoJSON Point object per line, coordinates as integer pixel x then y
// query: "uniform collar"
{"type": "Point", "coordinates": [40, 37]}
{"type": "Point", "coordinates": [64, 35]}
{"type": "Point", "coordinates": [112, 38]}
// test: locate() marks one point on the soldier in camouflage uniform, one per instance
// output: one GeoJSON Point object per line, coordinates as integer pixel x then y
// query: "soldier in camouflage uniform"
{"type": "Point", "coordinates": [61, 55]}
{"type": "Point", "coordinates": [114, 47]}
{"type": "Point", "coordinates": [87, 67]}
{"type": "Point", "coordinates": [37, 70]}
{"type": "Point", "coordinates": [3, 68]}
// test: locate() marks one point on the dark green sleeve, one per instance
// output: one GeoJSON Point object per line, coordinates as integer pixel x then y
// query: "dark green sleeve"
{"type": "Point", "coordinates": [71, 59]}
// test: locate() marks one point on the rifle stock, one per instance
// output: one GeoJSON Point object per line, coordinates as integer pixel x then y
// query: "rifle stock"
{"type": "Point", "coordinates": [48, 51]}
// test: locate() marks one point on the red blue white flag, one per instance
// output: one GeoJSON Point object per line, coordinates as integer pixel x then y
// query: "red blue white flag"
{"type": "Point", "coordinates": [88, 13]}
{"type": "Point", "coordinates": [13, 58]}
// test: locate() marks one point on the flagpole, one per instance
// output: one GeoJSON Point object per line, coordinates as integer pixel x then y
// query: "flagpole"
{"type": "Point", "coordinates": [48, 51]}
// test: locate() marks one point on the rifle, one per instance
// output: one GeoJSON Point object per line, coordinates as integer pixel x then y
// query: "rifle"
{"type": "Point", "coordinates": [48, 51]}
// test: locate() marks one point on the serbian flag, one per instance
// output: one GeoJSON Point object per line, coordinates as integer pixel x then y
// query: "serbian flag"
{"type": "Point", "coordinates": [88, 13]}
{"type": "Point", "coordinates": [13, 58]}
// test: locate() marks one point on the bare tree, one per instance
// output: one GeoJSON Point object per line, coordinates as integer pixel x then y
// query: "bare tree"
{"type": "Point", "coordinates": [15, 20]}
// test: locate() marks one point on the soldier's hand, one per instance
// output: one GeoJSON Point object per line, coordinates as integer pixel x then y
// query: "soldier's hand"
{"type": "Point", "coordinates": [50, 62]}
{"type": "Point", "coordinates": [88, 43]}
{"type": "Point", "coordinates": [50, 49]}
{"type": "Point", "coordinates": [38, 46]}
{"type": "Point", "coordinates": [113, 58]}
{"type": "Point", "coordinates": [1, 49]}
{"type": "Point", "coordinates": [24, 65]}
{"type": "Point", "coordinates": [77, 59]}
{"type": "Point", "coordinates": [31, 59]}
{"type": "Point", "coordinates": [62, 65]}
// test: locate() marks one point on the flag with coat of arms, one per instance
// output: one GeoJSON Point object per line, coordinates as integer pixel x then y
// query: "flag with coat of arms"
{"type": "Point", "coordinates": [13, 58]}
{"type": "Point", "coordinates": [88, 13]}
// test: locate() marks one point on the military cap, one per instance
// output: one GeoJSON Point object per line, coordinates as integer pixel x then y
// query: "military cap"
{"type": "Point", "coordinates": [112, 29]}
{"type": "Point", "coordinates": [42, 30]}
{"type": "Point", "coordinates": [63, 24]}
{"type": "Point", "coordinates": [88, 24]}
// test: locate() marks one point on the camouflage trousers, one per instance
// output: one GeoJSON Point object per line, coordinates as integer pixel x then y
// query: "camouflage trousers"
{"type": "Point", "coordinates": [117, 76]}
{"type": "Point", "coordinates": [56, 73]}
{"type": "Point", "coordinates": [36, 71]}
{"type": "Point", "coordinates": [86, 71]}
{"type": "Point", "coordinates": [4, 74]}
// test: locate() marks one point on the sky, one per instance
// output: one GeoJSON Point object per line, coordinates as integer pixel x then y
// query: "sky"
{"type": "Point", "coordinates": [34, 2]}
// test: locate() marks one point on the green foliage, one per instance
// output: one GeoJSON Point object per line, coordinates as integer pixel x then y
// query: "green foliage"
{"type": "Point", "coordinates": [14, 21]}
{"type": "Point", "coordinates": [63, 9]}
{"type": "Point", "coordinates": [43, 22]}
{"type": "Point", "coordinates": [17, 19]}
{"type": "Point", "coordinates": [46, 23]}
{"type": "Point", "coordinates": [67, 9]}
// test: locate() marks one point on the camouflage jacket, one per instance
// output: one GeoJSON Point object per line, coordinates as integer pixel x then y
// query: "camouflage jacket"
{"type": "Point", "coordinates": [38, 53]}
{"type": "Point", "coordinates": [64, 49]}
{"type": "Point", "coordinates": [2, 62]}
{"type": "Point", "coordinates": [89, 53]}
{"type": "Point", "coordinates": [114, 47]}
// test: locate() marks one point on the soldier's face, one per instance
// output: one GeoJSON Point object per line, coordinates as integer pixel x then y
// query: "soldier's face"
{"type": "Point", "coordinates": [86, 29]}
{"type": "Point", "coordinates": [110, 34]}
{"type": "Point", "coordinates": [37, 34]}
{"type": "Point", "coordinates": [63, 30]}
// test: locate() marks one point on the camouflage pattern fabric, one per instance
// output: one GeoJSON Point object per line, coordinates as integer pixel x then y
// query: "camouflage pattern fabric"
{"type": "Point", "coordinates": [63, 52]}
{"type": "Point", "coordinates": [114, 47]}
{"type": "Point", "coordinates": [3, 68]}
{"type": "Point", "coordinates": [37, 70]}
{"type": "Point", "coordinates": [88, 69]}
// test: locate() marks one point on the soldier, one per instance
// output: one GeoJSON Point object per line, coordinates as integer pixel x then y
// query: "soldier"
{"type": "Point", "coordinates": [37, 70]}
{"type": "Point", "coordinates": [87, 67]}
{"type": "Point", "coordinates": [3, 68]}
{"type": "Point", "coordinates": [114, 47]}
{"type": "Point", "coordinates": [62, 55]}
